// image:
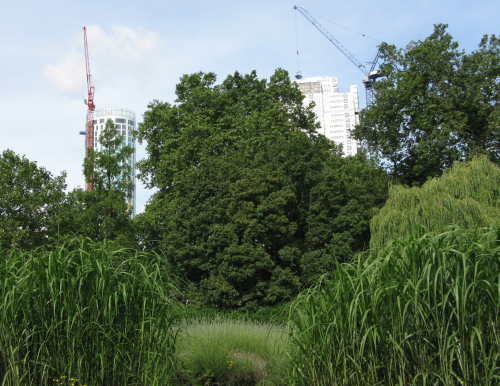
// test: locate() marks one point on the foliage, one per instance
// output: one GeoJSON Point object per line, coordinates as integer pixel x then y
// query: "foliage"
{"type": "Point", "coordinates": [30, 199]}
{"type": "Point", "coordinates": [252, 202]}
{"type": "Point", "coordinates": [467, 195]}
{"type": "Point", "coordinates": [109, 168]}
{"type": "Point", "coordinates": [103, 212]}
{"type": "Point", "coordinates": [435, 105]}
{"type": "Point", "coordinates": [85, 312]}
{"type": "Point", "coordinates": [231, 352]}
{"type": "Point", "coordinates": [423, 311]}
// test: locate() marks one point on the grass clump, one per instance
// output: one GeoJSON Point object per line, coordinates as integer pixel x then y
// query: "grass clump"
{"type": "Point", "coordinates": [230, 352]}
{"type": "Point", "coordinates": [423, 311]}
{"type": "Point", "coordinates": [89, 313]}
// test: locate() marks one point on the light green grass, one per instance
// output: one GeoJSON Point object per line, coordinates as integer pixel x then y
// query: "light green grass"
{"type": "Point", "coordinates": [423, 311]}
{"type": "Point", "coordinates": [231, 352]}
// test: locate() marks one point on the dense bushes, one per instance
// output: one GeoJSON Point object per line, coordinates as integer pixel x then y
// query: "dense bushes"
{"type": "Point", "coordinates": [88, 313]}
{"type": "Point", "coordinates": [424, 310]}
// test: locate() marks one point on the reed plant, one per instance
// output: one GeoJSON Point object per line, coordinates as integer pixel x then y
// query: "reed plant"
{"type": "Point", "coordinates": [425, 310]}
{"type": "Point", "coordinates": [215, 351]}
{"type": "Point", "coordinates": [87, 313]}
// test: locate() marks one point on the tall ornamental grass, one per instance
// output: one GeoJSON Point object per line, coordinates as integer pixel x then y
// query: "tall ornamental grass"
{"type": "Point", "coordinates": [467, 194]}
{"type": "Point", "coordinates": [422, 311]}
{"type": "Point", "coordinates": [86, 316]}
{"type": "Point", "coordinates": [228, 352]}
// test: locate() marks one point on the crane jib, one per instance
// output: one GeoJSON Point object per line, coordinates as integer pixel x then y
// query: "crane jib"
{"type": "Point", "coordinates": [335, 42]}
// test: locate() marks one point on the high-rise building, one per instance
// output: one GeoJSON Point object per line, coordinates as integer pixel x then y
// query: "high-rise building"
{"type": "Point", "coordinates": [125, 123]}
{"type": "Point", "coordinates": [337, 112]}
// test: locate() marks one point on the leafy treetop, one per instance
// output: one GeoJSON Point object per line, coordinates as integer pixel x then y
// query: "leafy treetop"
{"type": "Point", "coordinates": [435, 105]}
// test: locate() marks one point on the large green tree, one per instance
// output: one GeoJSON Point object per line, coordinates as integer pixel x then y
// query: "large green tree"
{"type": "Point", "coordinates": [30, 202]}
{"type": "Point", "coordinates": [435, 105]}
{"type": "Point", "coordinates": [252, 203]}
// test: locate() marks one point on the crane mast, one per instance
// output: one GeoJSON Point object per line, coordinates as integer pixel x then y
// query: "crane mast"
{"type": "Point", "coordinates": [89, 132]}
{"type": "Point", "coordinates": [370, 76]}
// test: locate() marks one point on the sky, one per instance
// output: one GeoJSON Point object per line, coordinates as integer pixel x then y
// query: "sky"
{"type": "Point", "coordinates": [139, 50]}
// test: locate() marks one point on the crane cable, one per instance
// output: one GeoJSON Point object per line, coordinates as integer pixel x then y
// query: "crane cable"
{"type": "Point", "coordinates": [356, 32]}
{"type": "Point", "coordinates": [297, 42]}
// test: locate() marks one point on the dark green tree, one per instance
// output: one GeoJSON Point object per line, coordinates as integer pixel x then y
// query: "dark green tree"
{"type": "Point", "coordinates": [435, 105]}
{"type": "Point", "coordinates": [249, 195]}
{"type": "Point", "coordinates": [104, 211]}
{"type": "Point", "coordinates": [30, 202]}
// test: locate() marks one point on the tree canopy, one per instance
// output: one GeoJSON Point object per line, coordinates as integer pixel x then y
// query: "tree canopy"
{"type": "Point", "coordinates": [466, 195]}
{"type": "Point", "coordinates": [252, 202]}
{"type": "Point", "coordinates": [435, 105]}
{"type": "Point", "coordinates": [103, 212]}
{"type": "Point", "coordinates": [30, 202]}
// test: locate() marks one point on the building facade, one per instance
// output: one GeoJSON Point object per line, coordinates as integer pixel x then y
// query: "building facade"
{"type": "Point", "coordinates": [125, 123]}
{"type": "Point", "coordinates": [337, 112]}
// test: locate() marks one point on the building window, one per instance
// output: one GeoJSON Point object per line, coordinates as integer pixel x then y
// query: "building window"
{"type": "Point", "coordinates": [346, 114]}
{"type": "Point", "coordinates": [348, 120]}
{"type": "Point", "coordinates": [101, 121]}
{"type": "Point", "coordinates": [348, 147]}
{"type": "Point", "coordinates": [120, 120]}
{"type": "Point", "coordinates": [346, 106]}
{"type": "Point", "coordinates": [344, 95]}
{"type": "Point", "coordinates": [347, 125]}
{"type": "Point", "coordinates": [348, 141]}
{"type": "Point", "coordinates": [131, 122]}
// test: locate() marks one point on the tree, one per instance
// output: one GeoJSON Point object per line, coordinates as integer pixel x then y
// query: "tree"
{"type": "Point", "coordinates": [30, 202]}
{"type": "Point", "coordinates": [467, 195]}
{"type": "Point", "coordinates": [435, 105]}
{"type": "Point", "coordinates": [248, 191]}
{"type": "Point", "coordinates": [103, 212]}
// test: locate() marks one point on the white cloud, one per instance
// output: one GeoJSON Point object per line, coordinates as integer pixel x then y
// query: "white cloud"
{"type": "Point", "coordinates": [68, 73]}
{"type": "Point", "coordinates": [121, 51]}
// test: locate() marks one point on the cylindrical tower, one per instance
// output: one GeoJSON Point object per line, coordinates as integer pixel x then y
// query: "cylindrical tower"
{"type": "Point", "coordinates": [125, 123]}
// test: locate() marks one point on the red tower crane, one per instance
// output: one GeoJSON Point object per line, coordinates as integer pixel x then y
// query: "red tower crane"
{"type": "Point", "coordinates": [90, 103]}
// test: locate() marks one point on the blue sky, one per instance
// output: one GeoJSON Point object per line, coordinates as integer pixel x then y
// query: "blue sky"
{"type": "Point", "coordinates": [138, 51]}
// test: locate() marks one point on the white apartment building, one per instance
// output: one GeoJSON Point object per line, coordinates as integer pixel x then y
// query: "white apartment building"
{"type": "Point", "coordinates": [125, 123]}
{"type": "Point", "coordinates": [337, 112]}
